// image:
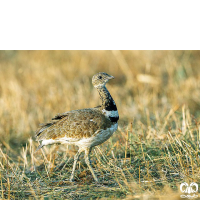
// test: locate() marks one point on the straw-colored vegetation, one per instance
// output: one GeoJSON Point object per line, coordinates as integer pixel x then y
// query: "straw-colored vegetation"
{"type": "Point", "coordinates": [155, 149]}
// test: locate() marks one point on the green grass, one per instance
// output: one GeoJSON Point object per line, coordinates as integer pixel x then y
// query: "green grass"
{"type": "Point", "coordinates": [155, 149]}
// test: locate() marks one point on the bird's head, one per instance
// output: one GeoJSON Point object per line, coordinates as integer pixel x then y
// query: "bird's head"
{"type": "Point", "coordinates": [100, 79]}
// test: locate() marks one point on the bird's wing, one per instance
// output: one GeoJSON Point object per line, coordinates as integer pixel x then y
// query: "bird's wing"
{"type": "Point", "coordinates": [74, 124]}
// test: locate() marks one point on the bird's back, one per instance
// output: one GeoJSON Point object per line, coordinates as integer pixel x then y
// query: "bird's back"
{"type": "Point", "coordinates": [75, 125]}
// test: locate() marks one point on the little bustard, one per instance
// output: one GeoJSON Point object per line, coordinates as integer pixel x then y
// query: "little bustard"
{"type": "Point", "coordinates": [85, 128]}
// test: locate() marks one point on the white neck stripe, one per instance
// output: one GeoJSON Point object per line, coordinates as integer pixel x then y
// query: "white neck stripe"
{"type": "Point", "coordinates": [110, 113]}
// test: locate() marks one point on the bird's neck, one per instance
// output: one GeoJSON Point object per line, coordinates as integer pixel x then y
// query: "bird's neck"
{"type": "Point", "coordinates": [109, 107]}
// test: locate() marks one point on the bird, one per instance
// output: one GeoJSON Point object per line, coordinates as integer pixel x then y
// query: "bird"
{"type": "Point", "coordinates": [85, 128]}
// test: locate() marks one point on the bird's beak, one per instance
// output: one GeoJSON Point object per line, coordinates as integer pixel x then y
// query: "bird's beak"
{"type": "Point", "coordinates": [111, 77]}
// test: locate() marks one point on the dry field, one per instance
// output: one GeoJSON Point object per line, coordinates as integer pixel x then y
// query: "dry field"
{"type": "Point", "coordinates": [155, 149]}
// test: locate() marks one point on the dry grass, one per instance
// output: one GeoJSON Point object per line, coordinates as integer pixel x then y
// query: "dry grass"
{"type": "Point", "coordinates": [154, 150]}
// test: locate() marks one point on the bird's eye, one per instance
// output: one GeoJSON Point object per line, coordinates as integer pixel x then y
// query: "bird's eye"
{"type": "Point", "coordinates": [100, 77]}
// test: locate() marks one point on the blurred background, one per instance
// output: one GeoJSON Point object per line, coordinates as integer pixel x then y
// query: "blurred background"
{"type": "Point", "coordinates": [36, 85]}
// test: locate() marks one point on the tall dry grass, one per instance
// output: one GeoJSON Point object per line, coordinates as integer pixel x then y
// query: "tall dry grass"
{"type": "Point", "coordinates": [156, 146]}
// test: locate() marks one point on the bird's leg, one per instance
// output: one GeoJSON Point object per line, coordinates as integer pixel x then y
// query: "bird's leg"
{"type": "Point", "coordinates": [74, 165]}
{"type": "Point", "coordinates": [87, 160]}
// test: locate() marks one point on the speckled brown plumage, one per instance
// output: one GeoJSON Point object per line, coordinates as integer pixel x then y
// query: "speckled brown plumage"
{"type": "Point", "coordinates": [85, 128]}
{"type": "Point", "coordinates": [76, 124]}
